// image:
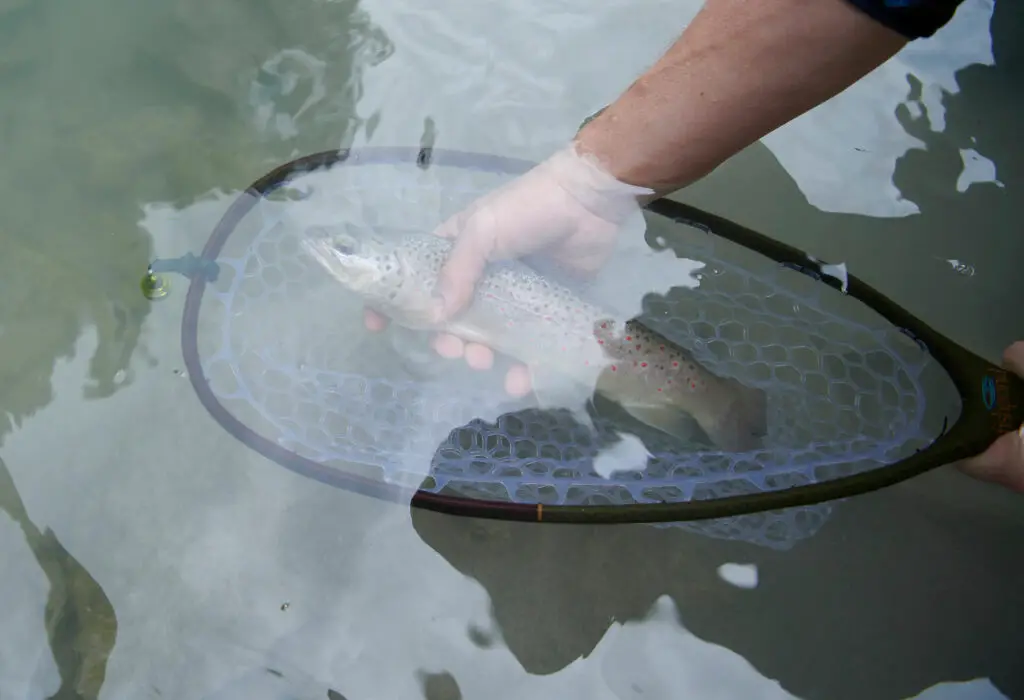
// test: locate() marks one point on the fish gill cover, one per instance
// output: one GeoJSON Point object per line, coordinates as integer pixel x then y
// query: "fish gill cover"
{"type": "Point", "coordinates": [284, 351]}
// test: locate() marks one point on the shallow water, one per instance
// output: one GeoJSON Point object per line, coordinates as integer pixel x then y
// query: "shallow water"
{"type": "Point", "coordinates": [146, 553]}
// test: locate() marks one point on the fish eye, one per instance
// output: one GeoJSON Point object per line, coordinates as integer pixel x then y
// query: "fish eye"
{"type": "Point", "coordinates": [345, 247]}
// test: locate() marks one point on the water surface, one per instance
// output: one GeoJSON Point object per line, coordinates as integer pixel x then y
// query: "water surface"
{"type": "Point", "coordinates": [148, 554]}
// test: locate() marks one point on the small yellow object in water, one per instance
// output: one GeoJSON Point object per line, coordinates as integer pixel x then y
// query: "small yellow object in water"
{"type": "Point", "coordinates": [154, 286]}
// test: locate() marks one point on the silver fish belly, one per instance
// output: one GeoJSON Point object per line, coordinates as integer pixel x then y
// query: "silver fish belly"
{"type": "Point", "coordinates": [549, 328]}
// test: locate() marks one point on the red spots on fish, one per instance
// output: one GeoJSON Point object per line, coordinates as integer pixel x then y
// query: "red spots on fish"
{"type": "Point", "coordinates": [629, 337]}
{"type": "Point", "coordinates": [692, 385]}
{"type": "Point", "coordinates": [638, 346]}
{"type": "Point", "coordinates": [675, 364]}
{"type": "Point", "coordinates": [643, 364]}
{"type": "Point", "coordinates": [614, 368]}
{"type": "Point", "coordinates": [662, 348]}
{"type": "Point", "coordinates": [600, 342]}
{"type": "Point", "coordinates": [604, 325]}
{"type": "Point", "coordinates": [659, 388]}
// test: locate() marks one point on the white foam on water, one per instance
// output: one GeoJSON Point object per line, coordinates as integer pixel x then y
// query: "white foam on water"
{"type": "Point", "coordinates": [739, 575]}
{"type": "Point", "coordinates": [627, 454]}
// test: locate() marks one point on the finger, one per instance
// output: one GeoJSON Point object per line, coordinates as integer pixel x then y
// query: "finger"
{"type": "Point", "coordinates": [479, 356]}
{"type": "Point", "coordinates": [1002, 463]}
{"type": "Point", "coordinates": [373, 321]}
{"type": "Point", "coordinates": [451, 227]}
{"type": "Point", "coordinates": [518, 382]}
{"type": "Point", "coordinates": [458, 277]}
{"type": "Point", "coordinates": [1013, 358]}
{"type": "Point", "coordinates": [449, 346]}
{"type": "Point", "coordinates": [469, 217]}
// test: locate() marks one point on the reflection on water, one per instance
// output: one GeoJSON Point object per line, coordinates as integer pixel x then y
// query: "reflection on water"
{"type": "Point", "coordinates": [80, 158]}
{"type": "Point", "coordinates": [80, 622]}
{"type": "Point", "coordinates": [117, 107]}
{"type": "Point", "coordinates": [905, 257]}
{"type": "Point", "coordinates": [555, 590]}
{"type": "Point", "coordinates": [823, 619]}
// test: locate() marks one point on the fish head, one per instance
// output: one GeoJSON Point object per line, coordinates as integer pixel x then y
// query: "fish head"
{"type": "Point", "coordinates": [373, 265]}
{"type": "Point", "coordinates": [362, 261]}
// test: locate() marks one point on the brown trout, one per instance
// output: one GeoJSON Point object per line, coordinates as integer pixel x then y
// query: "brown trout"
{"type": "Point", "coordinates": [549, 328]}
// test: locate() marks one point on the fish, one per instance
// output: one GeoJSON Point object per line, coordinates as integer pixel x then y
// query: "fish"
{"type": "Point", "coordinates": [561, 337]}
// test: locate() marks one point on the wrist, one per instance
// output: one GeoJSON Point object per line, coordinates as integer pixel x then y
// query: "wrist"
{"type": "Point", "coordinates": [588, 182]}
{"type": "Point", "coordinates": [641, 147]}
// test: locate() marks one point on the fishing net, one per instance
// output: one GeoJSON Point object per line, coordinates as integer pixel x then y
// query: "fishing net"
{"type": "Point", "coordinates": [283, 350]}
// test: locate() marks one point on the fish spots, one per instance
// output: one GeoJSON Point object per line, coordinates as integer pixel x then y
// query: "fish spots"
{"type": "Point", "coordinates": [643, 364]}
{"type": "Point", "coordinates": [614, 368]}
{"type": "Point", "coordinates": [675, 364]}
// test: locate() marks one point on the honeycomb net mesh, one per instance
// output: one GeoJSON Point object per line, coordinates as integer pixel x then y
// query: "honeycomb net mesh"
{"type": "Point", "coordinates": [284, 350]}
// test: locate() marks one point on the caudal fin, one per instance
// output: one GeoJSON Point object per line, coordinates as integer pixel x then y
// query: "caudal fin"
{"type": "Point", "coordinates": [744, 423]}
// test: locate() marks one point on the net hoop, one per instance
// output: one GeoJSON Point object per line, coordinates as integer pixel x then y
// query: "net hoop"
{"type": "Point", "coordinates": [983, 415]}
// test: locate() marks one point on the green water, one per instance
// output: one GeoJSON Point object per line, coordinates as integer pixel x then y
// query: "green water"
{"type": "Point", "coordinates": [145, 553]}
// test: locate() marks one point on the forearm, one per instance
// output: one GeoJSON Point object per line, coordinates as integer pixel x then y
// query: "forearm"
{"type": "Point", "coordinates": [741, 69]}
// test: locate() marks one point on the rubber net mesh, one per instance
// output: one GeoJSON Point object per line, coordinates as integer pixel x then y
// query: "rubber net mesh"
{"type": "Point", "coordinates": [284, 350]}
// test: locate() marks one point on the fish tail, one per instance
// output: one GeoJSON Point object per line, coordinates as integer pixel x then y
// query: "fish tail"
{"type": "Point", "coordinates": [744, 422]}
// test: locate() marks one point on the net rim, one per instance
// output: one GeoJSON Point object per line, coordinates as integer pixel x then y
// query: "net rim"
{"type": "Point", "coordinates": [976, 427]}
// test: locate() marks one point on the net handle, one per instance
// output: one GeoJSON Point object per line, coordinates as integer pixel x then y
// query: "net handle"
{"type": "Point", "coordinates": [992, 398]}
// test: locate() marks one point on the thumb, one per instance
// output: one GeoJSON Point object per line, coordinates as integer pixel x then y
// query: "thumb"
{"type": "Point", "coordinates": [462, 270]}
{"type": "Point", "coordinates": [1002, 463]}
{"type": "Point", "coordinates": [1013, 358]}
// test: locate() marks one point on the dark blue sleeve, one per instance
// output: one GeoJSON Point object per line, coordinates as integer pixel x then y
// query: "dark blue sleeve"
{"type": "Point", "coordinates": [911, 18]}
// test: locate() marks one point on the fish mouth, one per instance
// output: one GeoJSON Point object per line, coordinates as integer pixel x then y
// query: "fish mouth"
{"type": "Point", "coordinates": [319, 249]}
{"type": "Point", "coordinates": [338, 254]}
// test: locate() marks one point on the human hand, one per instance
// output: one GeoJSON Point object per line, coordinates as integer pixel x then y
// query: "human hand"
{"type": "Point", "coordinates": [1003, 462]}
{"type": "Point", "coordinates": [566, 207]}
